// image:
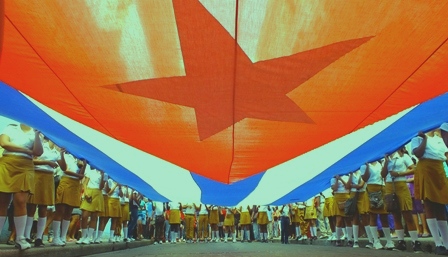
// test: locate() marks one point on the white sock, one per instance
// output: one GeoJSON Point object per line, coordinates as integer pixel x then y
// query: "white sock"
{"type": "Point", "coordinates": [173, 239]}
{"type": "Point", "coordinates": [175, 236]}
{"type": "Point", "coordinates": [41, 227]}
{"type": "Point", "coordinates": [349, 233]}
{"type": "Point", "coordinates": [28, 226]}
{"type": "Point", "coordinates": [90, 232]}
{"type": "Point", "coordinates": [111, 234]}
{"type": "Point", "coordinates": [414, 235]}
{"type": "Point", "coordinates": [297, 231]}
{"type": "Point", "coordinates": [100, 234]}
{"type": "Point", "coordinates": [344, 230]}
{"type": "Point", "coordinates": [241, 234]}
{"type": "Point", "coordinates": [125, 232]}
{"type": "Point", "coordinates": [315, 230]}
{"type": "Point", "coordinates": [338, 233]}
{"type": "Point", "coordinates": [20, 223]}
{"type": "Point", "coordinates": [225, 237]}
{"type": "Point", "coordinates": [355, 233]}
{"type": "Point", "coordinates": [387, 234]}
{"type": "Point", "coordinates": [374, 233]}
{"type": "Point", "coordinates": [2, 222]}
{"type": "Point", "coordinates": [433, 228]}
{"type": "Point", "coordinates": [84, 233]}
{"type": "Point", "coordinates": [56, 229]}
{"type": "Point", "coordinates": [64, 229]}
{"type": "Point", "coordinates": [400, 234]}
{"type": "Point", "coordinates": [369, 233]}
{"type": "Point", "coordinates": [443, 228]}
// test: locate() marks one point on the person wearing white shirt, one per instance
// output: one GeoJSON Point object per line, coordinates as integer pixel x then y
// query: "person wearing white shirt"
{"type": "Point", "coordinates": [229, 223]}
{"type": "Point", "coordinates": [104, 215]}
{"type": "Point", "coordinates": [125, 213]}
{"type": "Point", "coordinates": [358, 186]}
{"type": "Point", "coordinates": [430, 184]}
{"type": "Point", "coordinates": [44, 168]}
{"type": "Point", "coordinates": [92, 204]}
{"type": "Point", "coordinates": [174, 220]}
{"type": "Point", "coordinates": [202, 222]}
{"type": "Point", "coordinates": [311, 215]}
{"type": "Point", "coordinates": [371, 173]}
{"type": "Point", "coordinates": [262, 220]}
{"type": "Point", "coordinates": [395, 169]}
{"type": "Point", "coordinates": [341, 194]}
{"type": "Point", "coordinates": [20, 144]}
{"type": "Point", "coordinates": [114, 206]}
{"type": "Point", "coordinates": [159, 219]}
{"type": "Point", "coordinates": [245, 222]}
{"type": "Point", "coordinates": [189, 217]}
{"type": "Point", "coordinates": [214, 220]}
{"type": "Point", "coordinates": [68, 196]}
{"type": "Point", "coordinates": [285, 222]}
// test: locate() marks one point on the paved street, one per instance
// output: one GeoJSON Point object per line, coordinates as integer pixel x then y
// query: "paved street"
{"type": "Point", "coordinates": [249, 250]}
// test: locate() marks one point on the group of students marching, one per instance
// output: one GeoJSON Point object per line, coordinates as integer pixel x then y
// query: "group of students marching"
{"type": "Point", "coordinates": [417, 181]}
{"type": "Point", "coordinates": [27, 173]}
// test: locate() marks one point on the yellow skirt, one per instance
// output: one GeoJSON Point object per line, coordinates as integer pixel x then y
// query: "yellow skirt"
{"type": "Point", "coordinates": [69, 192]}
{"type": "Point", "coordinates": [363, 202]}
{"type": "Point", "coordinates": [310, 213]}
{"type": "Point", "coordinates": [229, 220]}
{"type": "Point", "coordinates": [174, 217]}
{"type": "Point", "coordinates": [376, 188]}
{"type": "Point", "coordinates": [403, 193]}
{"type": "Point", "coordinates": [262, 218]}
{"type": "Point", "coordinates": [245, 218]}
{"type": "Point", "coordinates": [125, 214]}
{"type": "Point", "coordinates": [338, 199]}
{"type": "Point", "coordinates": [44, 189]}
{"type": "Point", "coordinates": [97, 204]}
{"type": "Point", "coordinates": [214, 217]}
{"type": "Point", "coordinates": [329, 207]}
{"type": "Point", "coordinates": [105, 212]}
{"type": "Point", "coordinates": [114, 207]}
{"type": "Point", "coordinates": [16, 174]}
{"type": "Point", "coordinates": [430, 182]}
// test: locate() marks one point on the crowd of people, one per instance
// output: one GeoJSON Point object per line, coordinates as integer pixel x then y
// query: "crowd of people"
{"type": "Point", "coordinates": [45, 190]}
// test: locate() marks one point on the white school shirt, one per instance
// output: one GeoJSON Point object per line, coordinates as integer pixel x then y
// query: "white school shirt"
{"type": "Point", "coordinates": [106, 178]}
{"type": "Point", "coordinates": [399, 164]}
{"type": "Point", "coordinates": [189, 210]}
{"type": "Point", "coordinates": [72, 165]}
{"type": "Point", "coordinates": [203, 210]}
{"type": "Point", "coordinates": [341, 187]}
{"type": "Point", "coordinates": [94, 178]}
{"type": "Point", "coordinates": [262, 208]}
{"type": "Point", "coordinates": [285, 211]}
{"type": "Point", "coordinates": [49, 154]}
{"type": "Point", "coordinates": [158, 208]}
{"type": "Point", "coordinates": [111, 184]}
{"type": "Point", "coordinates": [20, 138]}
{"type": "Point", "coordinates": [356, 180]}
{"type": "Point", "coordinates": [375, 174]}
{"type": "Point", "coordinates": [435, 147]}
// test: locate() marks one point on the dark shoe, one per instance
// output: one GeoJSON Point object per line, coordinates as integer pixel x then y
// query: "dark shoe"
{"type": "Point", "coordinates": [28, 240]}
{"type": "Point", "coordinates": [401, 246]}
{"type": "Point", "coordinates": [339, 243]}
{"type": "Point", "coordinates": [417, 247]}
{"type": "Point", "coordinates": [349, 243]}
{"type": "Point", "coordinates": [10, 242]}
{"type": "Point", "coordinates": [38, 243]}
{"type": "Point", "coordinates": [440, 250]}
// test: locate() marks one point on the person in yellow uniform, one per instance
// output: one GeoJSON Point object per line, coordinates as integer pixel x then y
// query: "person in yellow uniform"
{"type": "Point", "coordinates": [189, 215]}
{"type": "Point", "coordinates": [21, 143]}
{"type": "Point", "coordinates": [203, 210]}
{"type": "Point", "coordinates": [229, 224]}
{"type": "Point", "coordinates": [44, 167]}
{"type": "Point", "coordinates": [214, 220]}
{"type": "Point", "coordinates": [262, 221]}
{"type": "Point", "coordinates": [174, 220]}
{"type": "Point", "coordinates": [245, 223]}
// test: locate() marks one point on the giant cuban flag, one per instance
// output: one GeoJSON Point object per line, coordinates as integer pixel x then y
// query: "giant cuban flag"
{"type": "Point", "coordinates": [225, 102]}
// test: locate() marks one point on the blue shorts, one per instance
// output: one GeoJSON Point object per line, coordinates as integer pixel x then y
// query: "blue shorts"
{"type": "Point", "coordinates": [142, 218]}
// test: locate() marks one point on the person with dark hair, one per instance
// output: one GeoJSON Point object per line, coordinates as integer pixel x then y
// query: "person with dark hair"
{"type": "Point", "coordinates": [430, 182]}
{"type": "Point", "coordinates": [285, 222]}
{"type": "Point", "coordinates": [21, 144]}
{"type": "Point", "coordinates": [158, 211]}
{"type": "Point", "coordinates": [134, 204]}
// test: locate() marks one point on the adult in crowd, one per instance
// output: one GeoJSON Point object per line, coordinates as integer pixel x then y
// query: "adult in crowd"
{"type": "Point", "coordinates": [430, 182]}
{"type": "Point", "coordinates": [92, 204]}
{"type": "Point", "coordinates": [44, 167]}
{"type": "Point", "coordinates": [396, 167]}
{"type": "Point", "coordinates": [134, 204]}
{"type": "Point", "coordinates": [371, 173]}
{"type": "Point", "coordinates": [159, 218]}
{"type": "Point", "coordinates": [21, 143]}
{"type": "Point", "coordinates": [285, 222]}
